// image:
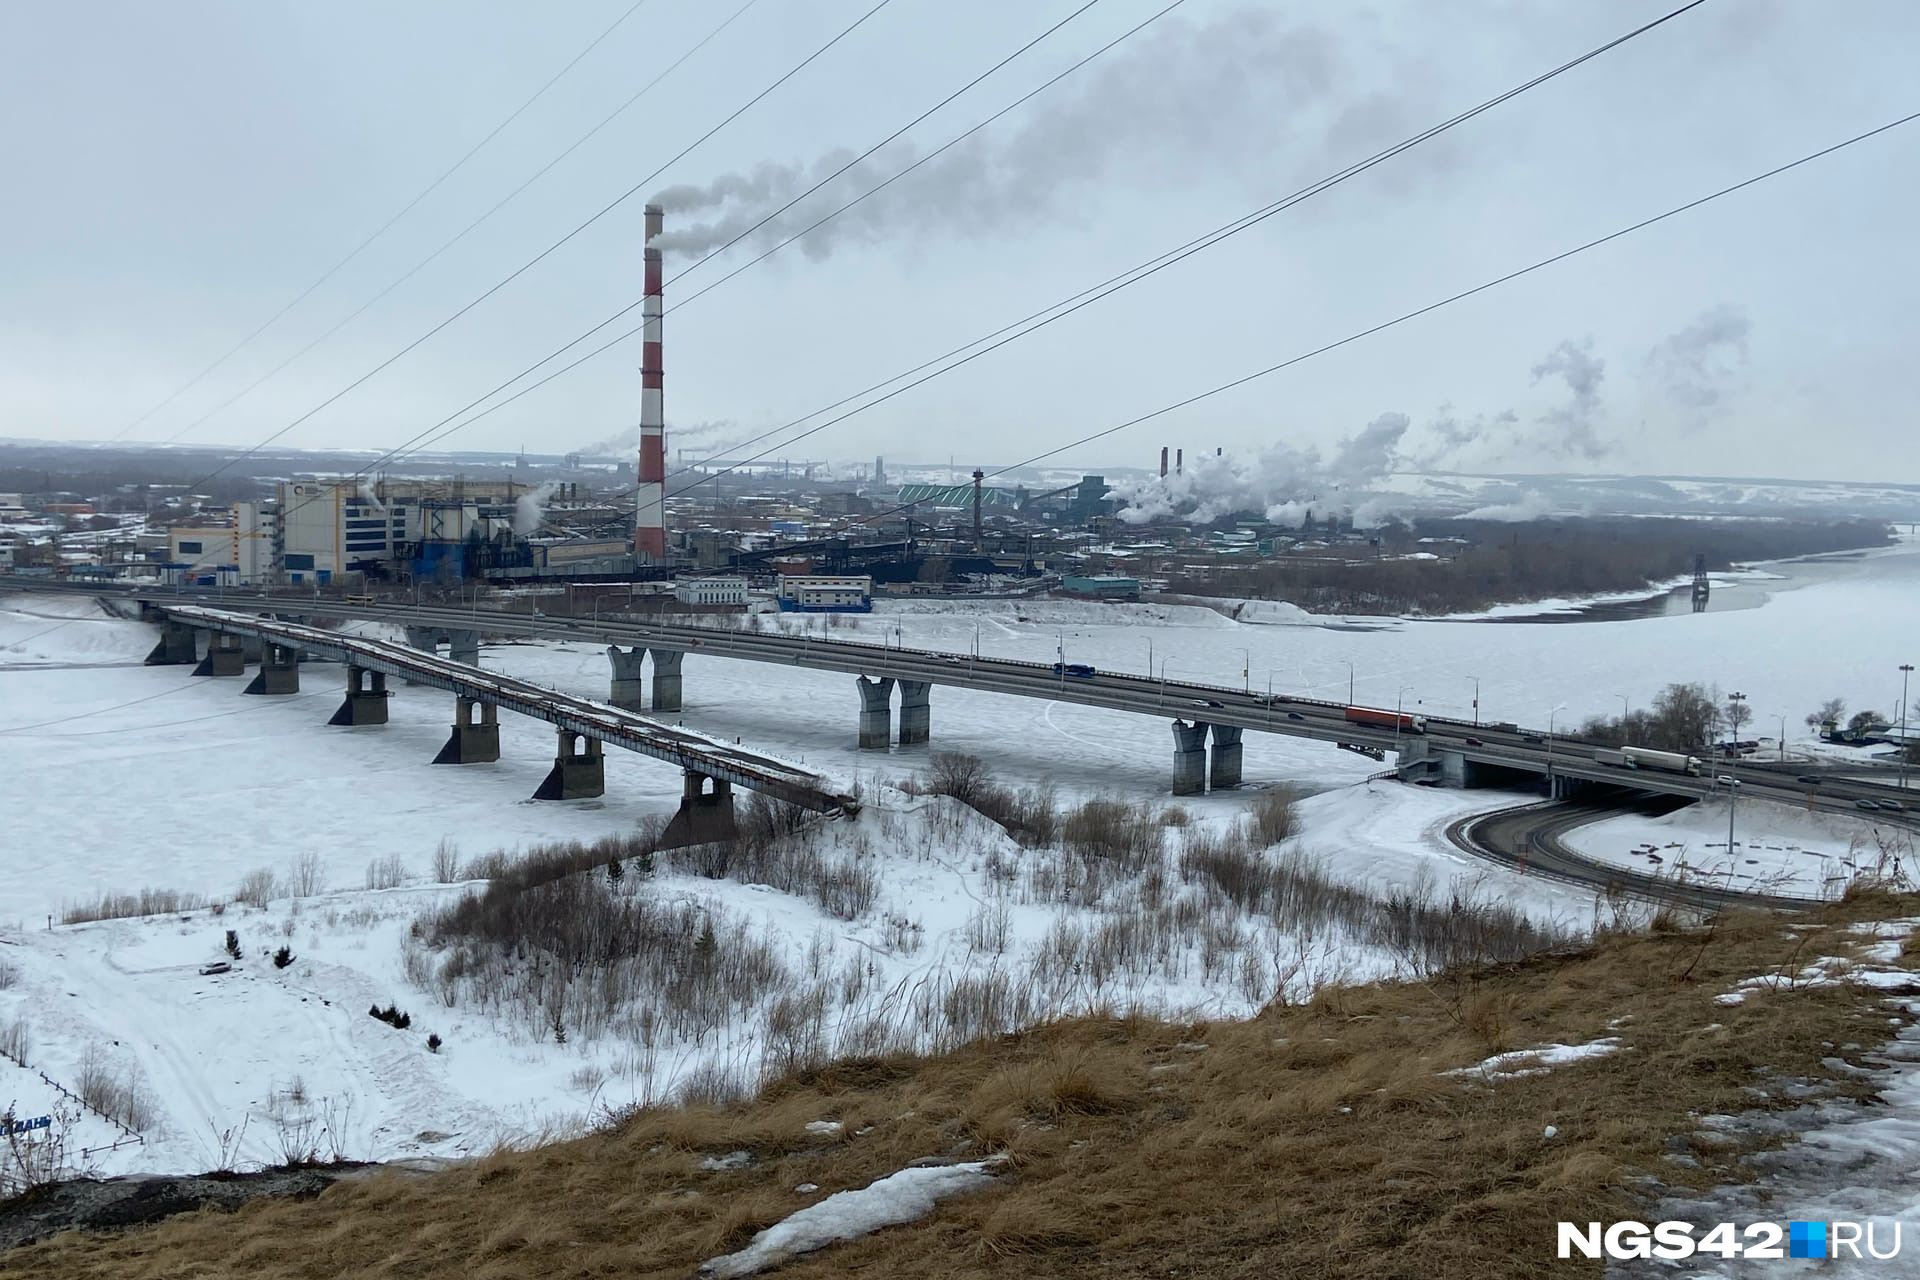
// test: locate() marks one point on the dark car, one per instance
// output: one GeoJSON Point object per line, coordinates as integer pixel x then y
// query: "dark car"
{"type": "Point", "coordinates": [1475, 742]}
{"type": "Point", "coordinates": [1078, 669]}
{"type": "Point", "coordinates": [1809, 779]}
{"type": "Point", "coordinates": [1534, 738]}
{"type": "Point", "coordinates": [1295, 715]}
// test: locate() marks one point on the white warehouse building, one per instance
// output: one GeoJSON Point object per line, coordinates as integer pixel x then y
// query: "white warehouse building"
{"type": "Point", "coordinates": [710, 590]}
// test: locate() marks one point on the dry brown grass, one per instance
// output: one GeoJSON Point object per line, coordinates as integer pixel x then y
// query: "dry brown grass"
{"type": "Point", "coordinates": [1316, 1140]}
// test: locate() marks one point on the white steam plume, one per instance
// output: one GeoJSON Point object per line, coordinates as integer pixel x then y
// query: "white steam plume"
{"type": "Point", "coordinates": [1282, 483]}
{"type": "Point", "coordinates": [1578, 420]}
{"type": "Point", "coordinates": [1198, 98]}
{"type": "Point", "coordinates": [1529, 506]}
{"type": "Point", "coordinates": [629, 440]}
{"type": "Point", "coordinates": [529, 509]}
{"type": "Point", "coordinates": [1701, 363]}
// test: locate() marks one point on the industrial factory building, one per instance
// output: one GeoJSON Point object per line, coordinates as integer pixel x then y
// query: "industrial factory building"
{"type": "Point", "coordinates": [732, 591]}
{"type": "Point", "coordinates": [825, 593]}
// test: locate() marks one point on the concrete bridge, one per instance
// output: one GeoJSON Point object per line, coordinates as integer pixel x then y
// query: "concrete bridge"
{"type": "Point", "coordinates": [219, 643]}
{"type": "Point", "coordinates": [1207, 722]}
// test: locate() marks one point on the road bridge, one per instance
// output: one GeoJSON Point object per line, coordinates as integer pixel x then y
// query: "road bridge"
{"type": "Point", "coordinates": [711, 769]}
{"type": "Point", "coordinates": [1207, 721]}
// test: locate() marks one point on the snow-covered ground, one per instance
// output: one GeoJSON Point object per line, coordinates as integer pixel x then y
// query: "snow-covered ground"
{"type": "Point", "coordinates": [116, 776]}
{"type": "Point", "coordinates": [1777, 849]}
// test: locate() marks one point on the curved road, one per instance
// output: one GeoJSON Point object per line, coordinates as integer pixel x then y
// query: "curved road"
{"type": "Point", "coordinates": [1501, 836]}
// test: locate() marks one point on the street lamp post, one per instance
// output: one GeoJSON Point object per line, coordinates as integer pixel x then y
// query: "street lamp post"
{"type": "Point", "coordinates": [1349, 682]}
{"type": "Point", "coordinates": [1246, 671]}
{"type": "Point", "coordinates": [1398, 703]}
{"type": "Point", "coordinates": [1476, 700]}
{"type": "Point", "coordinates": [1623, 710]}
{"type": "Point", "coordinates": [1163, 680]}
{"type": "Point", "coordinates": [1906, 669]}
{"type": "Point", "coordinates": [1736, 700]}
{"type": "Point", "coordinates": [1550, 715]}
{"type": "Point", "coordinates": [1782, 739]}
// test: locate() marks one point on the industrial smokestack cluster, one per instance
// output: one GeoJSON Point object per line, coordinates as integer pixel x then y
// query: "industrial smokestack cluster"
{"type": "Point", "coordinates": [1163, 462]}
{"type": "Point", "coordinates": [649, 514]}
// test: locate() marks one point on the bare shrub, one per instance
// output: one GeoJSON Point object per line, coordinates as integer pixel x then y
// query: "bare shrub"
{"type": "Point", "coordinates": [958, 774]}
{"type": "Point", "coordinates": [126, 906]}
{"type": "Point", "coordinates": [713, 1085]}
{"type": "Point", "coordinates": [257, 888]}
{"type": "Point", "coordinates": [9, 975]}
{"type": "Point", "coordinates": [446, 861]}
{"type": "Point", "coordinates": [1125, 834]}
{"type": "Point", "coordinates": [16, 1041]}
{"type": "Point", "coordinates": [304, 876]}
{"type": "Point", "coordinates": [386, 873]}
{"type": "Point", "coordinates": [34, 1157]}
{"type": "Point", "coordinates": [1272, 817]}
{"type": "Point", "coordinates": [113, 1092]}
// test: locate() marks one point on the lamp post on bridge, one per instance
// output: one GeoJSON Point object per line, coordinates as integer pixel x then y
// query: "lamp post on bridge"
{"type": "Point", "coordinates": [1736, 701]}
{"type": "Point", "coordinates": [1906, 669]}
{"type": "Point", "coordinates": [1246, 670]}
{"type": "Point", "coordinates": [1476, 700]}
{"type": "Point", "coordinates": [1349, 682]}
{"type": "Point", "coordinates": [1551, 713]}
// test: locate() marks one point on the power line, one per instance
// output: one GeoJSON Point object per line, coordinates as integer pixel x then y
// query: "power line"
{"type": "Point", "coordinates": [1431, 307]}
{"type": "Point", "coordinates": [409, 444]}
{"type": "Point", "coordinates": [550, 249]}
{"type": "Point", "coordinates": [428, 436]}
{"type": "Point", "coordinates": [360, 248]}
{"type": "Point", "coordinates": [1113, 284]}
{"type": "Point", "coordinates": [471, 227]}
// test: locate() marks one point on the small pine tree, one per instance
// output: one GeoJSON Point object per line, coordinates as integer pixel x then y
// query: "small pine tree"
{"type": "Point", "coordinates": [233, 943]}
{"type": "Point", "coordinates": [434, 1042]}
{"type": "Point", "coordinates": [402, 1021]}
{"type": "Point", "coordinates": [645, 862]}
{"type": "Point", "coordinates": [373, 1011]}
{"type": "Point", "coordinates": [283, 957]}
{"type": "Point", "coordinates": [559, 1029]}
{"type": "Point", "coordinates": [615, 871]}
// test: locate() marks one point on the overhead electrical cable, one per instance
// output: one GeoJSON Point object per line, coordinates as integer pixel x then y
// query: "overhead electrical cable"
{"type": "Point", "coordinates": [381, 230]}
{"type": "Point", "coordinates": [471, 227]}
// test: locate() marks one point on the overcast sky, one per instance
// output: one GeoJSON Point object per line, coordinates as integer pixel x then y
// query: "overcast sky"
{"type": "Point", "coordinates": [175, 173]}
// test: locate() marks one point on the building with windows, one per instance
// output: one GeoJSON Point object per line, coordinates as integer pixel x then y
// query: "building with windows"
{"type": "Point", "coordinates": [729, 591]}
{"type": "Point", "coordinates": [825, 593]}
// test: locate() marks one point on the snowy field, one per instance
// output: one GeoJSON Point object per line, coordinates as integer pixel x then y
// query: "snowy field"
{"type": "Point", "coordinates": [118, 777]}
{"type": "Point", "coordinates": [1777, 849]}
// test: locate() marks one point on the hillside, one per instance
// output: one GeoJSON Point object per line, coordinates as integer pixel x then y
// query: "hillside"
{"type": "Point", "coordinates": [1338, 1137]}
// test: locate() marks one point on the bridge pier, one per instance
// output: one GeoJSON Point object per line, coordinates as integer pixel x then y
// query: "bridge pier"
{"type": "Point", "coordinates": [666, 678]}
{"type": "Point", "coordinates": [464, 646]}
{"type": "Point", "coordinates": [1189, 758]}
{"type": "Point", "coordinates": [1224, 770]}
{"type": "Point", "coordinates": [628, 692]}
{"type": "Point", "coordinates": [176, 647]}
{"type": "Point", "coordinates": [579, 769]}
{"type": "Point", "coordinates": [279, 670]}
{"type": "Point", "coordinates": [876, 712]}
{"type": "Point", "coordinates": [226, 656]}
{"type": "Point", "coordinates": [916, 711]}
{"type": "Point", "coordinates": [705, 816]}
{"type": "Point", "coordinates": [366, 701]}
{"type": "Point", "coordinates": [472, 742]}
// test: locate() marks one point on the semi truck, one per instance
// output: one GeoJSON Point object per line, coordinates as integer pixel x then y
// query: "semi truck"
{"type": "Point", "coordinates": [1642, 758]}
{"type": "Point", "coordinates": [1387, 719]}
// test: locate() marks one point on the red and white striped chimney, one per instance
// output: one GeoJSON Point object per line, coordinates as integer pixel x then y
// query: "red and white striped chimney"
{"type": "Point", "coordinates": [649, 514]}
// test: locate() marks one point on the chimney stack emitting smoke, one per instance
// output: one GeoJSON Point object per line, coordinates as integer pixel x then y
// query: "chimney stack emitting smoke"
{"type": "Point", "coordinates": [1179, 461]}
{"type": "Point", "coordinates": [1163, 462]}
{"type": "Point", "coordinates": [649, 512]}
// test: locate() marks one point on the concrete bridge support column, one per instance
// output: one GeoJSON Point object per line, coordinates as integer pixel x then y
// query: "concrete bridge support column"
{"type": "Point", "coordinates": [628, 693]}
{"type": "Point", "coordinates": [366, 701]}
{"type": "Point", "coordinates": [1189, 758]}
{"type": "Point", "coordinates": [279, 670]}
{"type": "Point", "coordinates": [250, 648]}
{"type": "Point", "coordinates": [706, 814]}
{"type": "Point", "coordinates": [876, 712]}
{"type": "Point", "coordinates": [666, 679]}
{"type": "Point", "coordinates": [916, 711]}
{"type": "Point", "coordinates": [579, 770]}
{"type": "Point", "coordinates": [472, 741]}
{"type": "Point", "coordinates": [226, 656]}
{"type": "Point", "coordinates": [1455, 771]}
{"type": "Point", "coordinates": [1224, 769]}
{"type": "Point", "coordinates": [426, 640]}
{"type": "Point", "coordinates": [464, 646]}
{"type": "Point", "coordinates": [176, 647]}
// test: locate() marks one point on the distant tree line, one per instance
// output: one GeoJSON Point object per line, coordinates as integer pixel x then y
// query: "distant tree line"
{"type": "Point", "coordinates": [1506, 563]}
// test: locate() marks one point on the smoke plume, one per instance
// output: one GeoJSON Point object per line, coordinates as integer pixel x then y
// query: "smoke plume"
{"type": "Point", "coordinates": [1282, 483]}
{"type": "Point", "coordinates": [530, 508]}
{"type": "Point", "coordinates": [1577, 422]}
{"type": "Point", "coordinates": [1529, 506]}
{"type": "Point", "coordinates": [1195, 99]}
{"type": "Point", "coordinates": [1701, 363]}
{"type": "Point", "coordinates": [629, 440]}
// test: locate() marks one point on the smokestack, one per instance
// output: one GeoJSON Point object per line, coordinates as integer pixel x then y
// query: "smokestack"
{"type": "Point", "coordinates": [1218, 450]}
{"type": "Point", "coordinates": [978, 476]}
{"type": "Point", "coordinates": [649, 513]}
{"type": "Point", "coordinates": [1179, 461]}
{"type": "Point", "coordinates": [1163, 462]}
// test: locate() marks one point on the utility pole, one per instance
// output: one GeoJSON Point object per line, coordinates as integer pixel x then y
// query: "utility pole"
{"type": "Point", "coordinates": [1906, 669]}
{"type": "Point", "coordinates": [1738, 700]}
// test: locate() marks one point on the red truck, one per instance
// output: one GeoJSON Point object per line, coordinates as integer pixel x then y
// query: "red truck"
{"type": "Point", "coordinates": [1387, 719]}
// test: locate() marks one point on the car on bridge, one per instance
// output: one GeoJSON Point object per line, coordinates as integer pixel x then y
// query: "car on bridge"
{"type": "Point", "coordinates": [1079, 670]}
